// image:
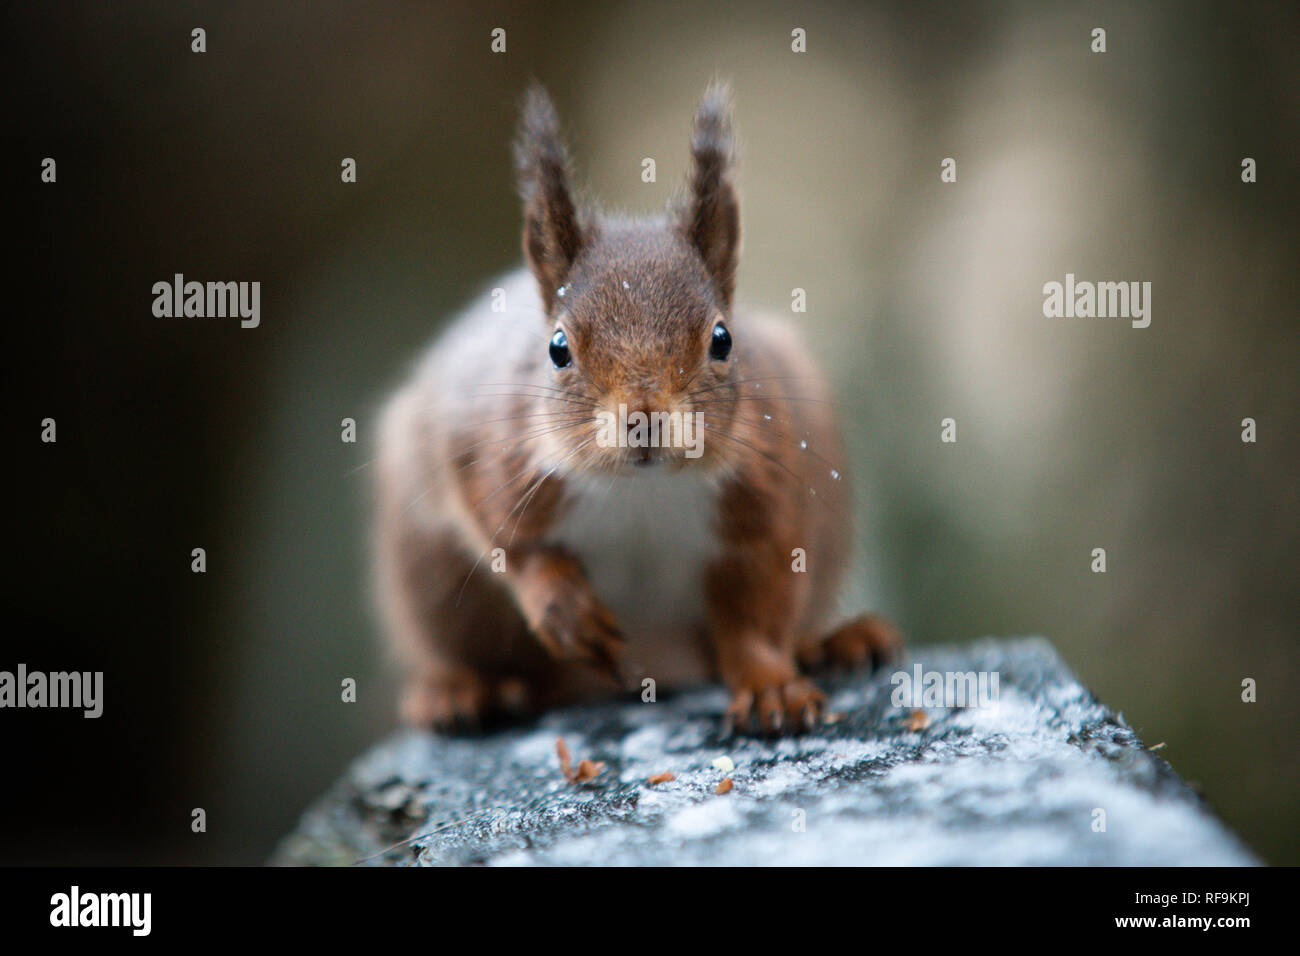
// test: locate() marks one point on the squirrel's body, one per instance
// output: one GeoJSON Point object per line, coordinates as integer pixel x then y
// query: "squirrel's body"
{"type": "Point", "coordinates": [515, 542]}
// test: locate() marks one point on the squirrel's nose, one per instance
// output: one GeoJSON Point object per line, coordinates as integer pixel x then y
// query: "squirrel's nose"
{"type": "Point", "coordinates": [647, 400]}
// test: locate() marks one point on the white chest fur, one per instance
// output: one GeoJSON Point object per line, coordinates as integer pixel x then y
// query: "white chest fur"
{"type": "Point", "coordinates": [645, 541]}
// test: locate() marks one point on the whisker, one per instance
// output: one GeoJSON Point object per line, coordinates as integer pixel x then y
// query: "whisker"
{"type": "Point", "coordinates": [534, 486]}
{"type": "Point", "coordinates": [544, 430]}
{"type": "Point", "coordinates": [557, 418]}
{"type": "Point", "coordinates": [798, 478]}
{"type": "Point", "coordinates": [507, 482]}
{"type": "Point", "coordinates": [365, 464]}
{"type": "Point", "coordinates": [537, 388]}
{"type": "Point", "coordinates": [761, 378]}
{"type": "Point", "coordinates": [751, 400]}
{"type": "Point", "coordinates": [577, 448]}
{"type": "Point", "coordinates": [537, 398]}
{"type": "Point", "coordinates": [488, 421]}
{"type": "Point", "coordinates": [541, 431]}
{"type": "Point", "coordinates": [789, 440]}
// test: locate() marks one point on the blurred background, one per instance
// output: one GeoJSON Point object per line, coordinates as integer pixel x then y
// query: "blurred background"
{"type": "Point", "coordinates": [924, 301]}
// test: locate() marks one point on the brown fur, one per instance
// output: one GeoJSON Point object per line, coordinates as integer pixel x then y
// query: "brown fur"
{"type": "Point", "coordinates": [491, 446]}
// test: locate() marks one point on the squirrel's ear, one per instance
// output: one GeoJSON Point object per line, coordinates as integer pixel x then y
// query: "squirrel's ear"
{"type": "Point", "coordinates": [710, 217]}
{"type": "Point", "coordinates": [553, 235]}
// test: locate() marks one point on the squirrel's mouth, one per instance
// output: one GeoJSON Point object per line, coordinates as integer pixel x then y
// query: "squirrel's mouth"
{"type": "Point", "coordinates": [657, 460]}
{"type": "Point", "coordinates": [637, 461]}
{"type": "Point", "coordinates": [640, 439]}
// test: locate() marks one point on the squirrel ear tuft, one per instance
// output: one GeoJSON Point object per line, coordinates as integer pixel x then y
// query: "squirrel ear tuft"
{"type": "Point", "coordinates": [710, 217]}
{"type": "Point", "coordinates": [553, 235]}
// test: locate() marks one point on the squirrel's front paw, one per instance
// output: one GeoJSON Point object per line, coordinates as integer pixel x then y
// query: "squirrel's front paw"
{"type": "Point", "coordinates": [766, 688]}
{"type": "Point", "coordinates": [869, 640]}
{"type": "Point", "coordinates": [578, 625]}
{"type": "Point", "coordinates": [443, 699]}
{"type": "Point", "coordinates": [789, 706]}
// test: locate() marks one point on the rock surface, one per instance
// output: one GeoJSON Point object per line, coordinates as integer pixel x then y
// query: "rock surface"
{"type": "Point", "coordinates": [1015, 784]}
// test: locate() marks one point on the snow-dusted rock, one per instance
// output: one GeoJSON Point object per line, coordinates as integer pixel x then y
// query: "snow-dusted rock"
{"type": "Point", "coordinates": [1032, 779]}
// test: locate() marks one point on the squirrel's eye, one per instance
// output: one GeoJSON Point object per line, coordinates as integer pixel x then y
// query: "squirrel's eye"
{"type": "Point", "coordinates": [560, 349]}
{"type": "Point", "coordinates": [720, 344]}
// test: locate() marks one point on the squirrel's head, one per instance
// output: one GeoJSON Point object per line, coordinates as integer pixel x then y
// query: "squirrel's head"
{"type": "Point", "coordinates": [637, 312]}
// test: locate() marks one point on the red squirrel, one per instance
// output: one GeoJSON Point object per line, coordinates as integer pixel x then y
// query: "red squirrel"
{"type": "Point", "coordinates": [532, 550]}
